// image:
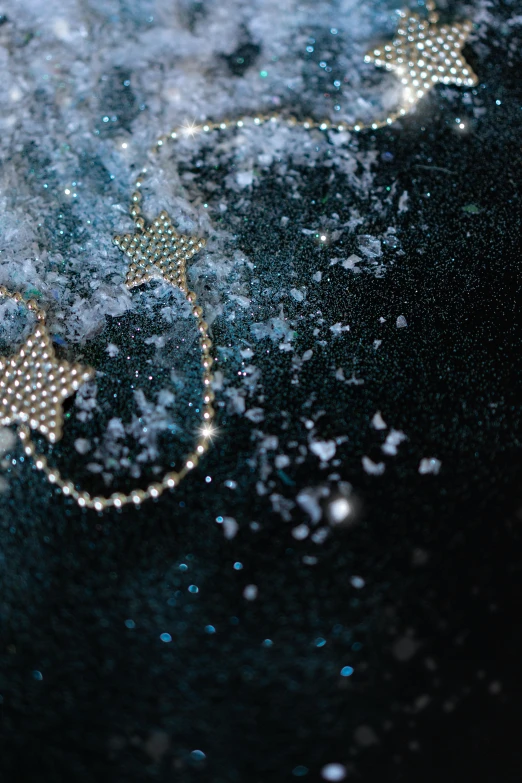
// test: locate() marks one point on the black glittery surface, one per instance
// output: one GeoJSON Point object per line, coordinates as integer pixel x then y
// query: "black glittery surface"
{"type": "Point", "coordinates": [89, 691]}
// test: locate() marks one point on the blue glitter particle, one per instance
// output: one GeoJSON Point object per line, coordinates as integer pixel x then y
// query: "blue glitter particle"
{"type": "Point", "coordinates": [346, 671]}
{"type": "Point", "coordinates": [197, 755]}
{"type": "Point", "coordinates": [300, 771]}
{"type": "Point", "coordinates": [238, 566]}
{"type": "Point", "coordinates": [130, 624]}
{"type": "Point", "coordinates": [37, 675]}
{"type": "Point", "coordinates": [267, 643]}
{"type": "Point", "coordinates": [320, 642]}
{"type": "Point", "coordinates": [210, 629]}
{"type": "Point", "coordinates": [193, 589]}
{"type": "Point", "coordinates": [183, 567]}
{"type": "Point", "coordinates": [219, 520]}
{"type": "Point", "coordinates": [165, 637]}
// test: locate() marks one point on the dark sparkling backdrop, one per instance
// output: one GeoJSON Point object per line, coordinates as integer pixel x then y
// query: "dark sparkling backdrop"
{"type": "Point", "coordinates": [90, 692]}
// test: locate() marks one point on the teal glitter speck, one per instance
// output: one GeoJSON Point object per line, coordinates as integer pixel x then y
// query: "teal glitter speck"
{"type": "Point", "coordinates": [165, 637]}
{"type": "Point", "coordinates": [346, 671]}
{"type": "Point", "coordinates": [193, 589]}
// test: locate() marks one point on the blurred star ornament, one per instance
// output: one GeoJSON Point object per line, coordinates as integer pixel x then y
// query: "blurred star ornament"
{"type": "Point", "coordinates": [424, 53]}
{"type": "Point", "coordinates": [34, 385]}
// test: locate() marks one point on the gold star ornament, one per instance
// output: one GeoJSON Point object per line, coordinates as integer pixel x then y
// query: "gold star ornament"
{"type": "Point", "coordinates": [424, 54]}
{"type": "Point", "coordinates": [158, 252]}
{"type": "Point", "coordinates": [34, 385]}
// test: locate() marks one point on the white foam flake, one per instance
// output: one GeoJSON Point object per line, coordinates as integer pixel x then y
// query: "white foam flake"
{"type": "Point", "coordinates": [373, 468]}
{"type": "Point", "coordinates": [325, 449]}
{"type": "Point", "coordinates": [333, 772]}
{"type": "Point", "coordinates": [429, 465]}
{"type": "Point", "coordinates": [378, 422]}
{"type": "Point", "coordinates": [393, 440]}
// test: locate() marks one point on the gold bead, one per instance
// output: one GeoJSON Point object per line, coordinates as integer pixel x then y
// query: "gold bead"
{"type": "Point", "coordinates": [171, 480]}
{"type": "Point", "coordinates": [155, 490]}
{"type": "Point", "coordinates": [138, 496]}
{"type": "Point", "coordinates": [118, 499]}
{"type": "Point", "coordinates": [68, 488]}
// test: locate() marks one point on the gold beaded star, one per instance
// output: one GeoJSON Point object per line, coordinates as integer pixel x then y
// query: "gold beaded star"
{"type": "Point", "coordinates": [423, 54]}
{"type": "Point", "coordinates": [34, 384]}
{"type": "Point", "coordinates": [158, 252]}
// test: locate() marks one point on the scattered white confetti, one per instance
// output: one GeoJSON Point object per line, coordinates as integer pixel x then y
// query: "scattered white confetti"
{"type": "Point", "coordinates": [250, 592]}
{"type": "Point", "coordinates": [333, 772]}
{"type": "Point", "coordinates": [244, 178]}
{"type": "Point", "coordinates": [297, 295]}
{"type": "Point", "coordinates": [301, 532]}
{"type": "Point", "coordinates": [307, 355]}
{"type": "Point", "coordinates": [270, 443]}
{"type": "Point", "coordinates": [230, 527]}
{"type": "Point", "coordinates": [317, 276]}
{"type": "Point", "coordinates": [429, 465]}
{"type": "Point", "coordinates": [247, 353]}
{"type": "Point", "coordinates": [309, 500]}
{"type": "Point", "coordinates": [281, 461]}
{"type": "Point", "coordinates": [112, 350]}
{"type": "Point", "coordinates": [403, 203]}
{"type": "Point", "coordinates": [320, 536]}
{"type": "Point", "coordinates": [378, 422]}
{"type": "Point", "coordinates": [376, 344]}
{"type": "Point", "coordinates": [324, 449]}
{"type": "Point", "coordinates": [82, 445]}
{"type": "Point", "coordinates": [401, 322]}
{"type": "Point", "coordinates": [230, 484]}
{"type": "Point", "coordinates": [351, 263]}
{"type": "Point", "coordinates": [243, 301]}
{"type": "Point", "coordinates": [255, 414]}
{"type": "Point", "coordinates": [357, 582]}
{"type": "Point", "coordinates": [338, 328]}
{"type": "Point", "coordinates": [7, 440]}
{"type": "Point", "coordinates": [393, 439]}
{"type": "Point", "coordinates": [369, 246]}
{"type": "Point", "coordinates": [373, 468]}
